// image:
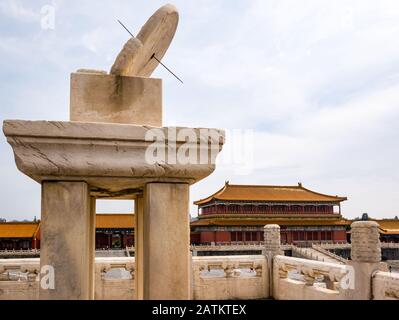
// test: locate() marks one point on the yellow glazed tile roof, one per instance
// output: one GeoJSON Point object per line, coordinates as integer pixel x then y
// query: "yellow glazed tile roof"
{"type": "Point", "coordinates": [114, 221]}
{"type": "Point", "coordinates": [389, 226]}
{"type": "Point", "coordinates": [18, 229]}
{"type": "Point", "coordinates": [269, 193]}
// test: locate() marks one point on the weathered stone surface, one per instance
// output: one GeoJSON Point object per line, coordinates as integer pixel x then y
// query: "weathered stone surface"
{"type": "Point", "coordinates": [365, 258]}
{"type": "Point", "coordinates": [295, 279]}
{"type": "Point", "coordinates": [234, 284]}
{"type": "Point", "coordinates": [385, 286]}
{"type": "Point", "coordinates": [365, 239]}
{"type": "Point", "coordinates": [99, 97]}
{"type": "Point", "coordinates": [155, 36]}
{"type": "Point", "coordinates": [272, 239]}
{"type": "Point", "coordinates": [125, 61]}
{"type": "Point", "coordinates": [65, 240]}
{"type": "Point", "coordinates": [166, 241]}
{"type": "Point", "coordinates": [111, 158]}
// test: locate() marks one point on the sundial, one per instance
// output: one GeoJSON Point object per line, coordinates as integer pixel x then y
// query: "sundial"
{"type": "Point", "coordinates": [137, 57]}
{"type": "Point", "coordinates": [105, 151]}
{"type": "Point", "coordinates": [128, 94]}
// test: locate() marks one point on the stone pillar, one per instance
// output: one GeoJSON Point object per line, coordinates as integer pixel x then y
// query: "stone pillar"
{"type": "Point", "coordinates": [66, 230]}
{"type": "Point", "coordinates": [138, 246]}
{"type": "Point", "coordinates": [272, 240]}
{"type": "Point", "coordinates": [365, 259]}
{"type": "Point", "coordinates": [166, 241]}
{"type": "Point", "coordinates": [272, 247]}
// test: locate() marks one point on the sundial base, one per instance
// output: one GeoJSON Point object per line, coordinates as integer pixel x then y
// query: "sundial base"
{"type": "Point", "coordinates": [99, 97]}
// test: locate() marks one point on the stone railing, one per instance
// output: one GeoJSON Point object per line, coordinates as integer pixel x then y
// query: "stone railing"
{"type": "Point", "coordinates": [230, 277]}
{"type": "Point", "coordinates": [389, 245]}
{"type": "Point", "coordinates": [22, 252]}
{"type": "Point", "coordinates": [114, 279]}
{"type": "Point", "coordinates": [227, 247]}
{"type": "Point", "coordinates": [302, 279]}
{"type": "Point", "coordinates": [340, 245]}
{"type": "Point", "coordinates": [335, 245]}
{"type": "Point", "coordinates": [314, 254]}
{"type": "Point", "coordinates": [385, 286]}
{"type": "Point", "coordinates": [270, 275]}
{"type": "Point", "coordinates": [234, 246]}
{"type": "Point", "coordinates": [19, 279]}
{"type": "Point", "coordinates": [329, 253]}
{"type": "Point", "coordinates": [299, 252]}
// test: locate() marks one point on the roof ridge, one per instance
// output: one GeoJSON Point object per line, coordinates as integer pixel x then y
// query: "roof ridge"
{"type": "Point", "coordinates": [214, 194]}
{"type": "Point", "coordinates": [323, 194]}
{"type": "Point", "coordinates": [19, 222]}
{"type": "Point", "coordinates": [263, 185]}
{"type": "Point", "coordinates": [227, 186]}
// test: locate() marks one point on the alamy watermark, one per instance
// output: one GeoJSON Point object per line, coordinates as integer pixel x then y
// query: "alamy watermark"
{"type": "Point", "coordinates": [347, 282]}
{"type": "Point", "coordinates": [47, 277]}
{"type": "Point", "coordinates": [186, 146]}
{"type": "Point", "coordinates": [47, 20]}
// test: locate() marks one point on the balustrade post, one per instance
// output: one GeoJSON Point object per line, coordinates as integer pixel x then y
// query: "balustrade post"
{"type": "Point", "coordinates": [365, 259]}
{"type": "Point", "coordinates": [272, 247]}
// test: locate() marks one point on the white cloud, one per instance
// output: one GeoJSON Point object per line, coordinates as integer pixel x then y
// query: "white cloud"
{"type": "Point", "coordinates": [16, 10]}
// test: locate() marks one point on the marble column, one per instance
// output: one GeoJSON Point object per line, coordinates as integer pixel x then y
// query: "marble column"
{"type": "Point", "coordinates": [66, 225]}
{"type": "Point", "coordinates": [166, 241]}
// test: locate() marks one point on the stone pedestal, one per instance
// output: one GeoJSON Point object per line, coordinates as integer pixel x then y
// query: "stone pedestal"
{"type": "Point", "coordinates": [115, 99]}
{"type": "Point", "coordinates": [166, 239]}
{"type": "Point", "coordinates": [66, 226]}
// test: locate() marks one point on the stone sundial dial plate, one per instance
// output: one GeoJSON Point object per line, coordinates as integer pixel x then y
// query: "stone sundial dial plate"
{"type": "Point", "coordinates": [155, 36]}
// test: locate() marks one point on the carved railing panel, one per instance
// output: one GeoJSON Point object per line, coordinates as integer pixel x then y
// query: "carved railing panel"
{"type": "Point", "coordinates": [230, 277]}
{"type": "Point", "coordinates": [295, 278]}
{"type": "Point", "coordinates": [385, 286]}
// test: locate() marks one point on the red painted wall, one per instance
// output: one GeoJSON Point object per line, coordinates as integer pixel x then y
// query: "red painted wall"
{"type": "Point", "coordinates": [222, 236]}
{"type": "Point", "coordinates": [207, 236]}
{"type": "Point", "coordinates": [195, 238]}
{"type": "Point", "coordinates": [339, 235]}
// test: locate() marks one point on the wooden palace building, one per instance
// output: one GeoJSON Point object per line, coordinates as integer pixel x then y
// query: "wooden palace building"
{"type": "Point", "coordinates": [240, 212]}
{"type": "Point", "coordinates": [113, 231]}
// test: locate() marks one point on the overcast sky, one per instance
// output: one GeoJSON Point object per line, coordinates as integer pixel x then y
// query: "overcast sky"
{"type": "Point", "coordinates": [314, 85]}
